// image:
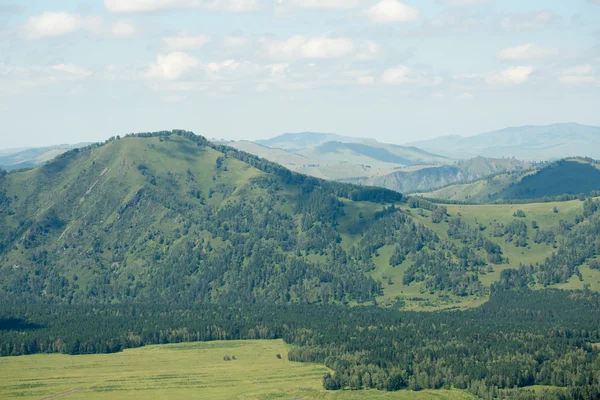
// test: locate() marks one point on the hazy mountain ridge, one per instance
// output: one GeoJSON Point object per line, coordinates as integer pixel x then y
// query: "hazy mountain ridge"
{"type": "Point", "coordinates": [26, 158]}
{"type": "Point", "coordinates": [429, 178]}
{"type": "Point", "coordinates": [573, 176]}
{"type": "Point", "coordinates": [527, 143]}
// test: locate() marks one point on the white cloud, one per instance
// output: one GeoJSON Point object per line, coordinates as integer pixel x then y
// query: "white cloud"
{"type": "Point", "coordinates": [318, 4]}
{"type": "Point", "coordinates": [391, 11]}
{"type": "Point", "coordinates": [581, 74]}
{"type": "Point", "coordinates": [52, 24]}
{"type": "Point", "coordinates": [528, 51]}
{"type": "Point", "coordinates": [303, 47]}
{"type": "Point", "coordinates": [533, 21]}
{"type": "Point", "coordinates": [235, 41]}
{"type": "Point", "coordinates": [401, 75]}
{"type": "Point", "coordinates": [365, 80]}
{"type": "Point", "coordinates": [72, 69]}
{"type": "Point", "coordinates": [369, 50]}
{"type": "Point", "coordinates": [55, 24]}
{"type": "Point", "coordinates": [171, 66]}
{"type": "Point", "coordinates": [465, 96]}
{"type": "Point", "coordinates": [462, 3]}
{"type": "Point", "coordinates": [511, 76]}
{"type": "Point", "coordinates": [145, 6]}
{"type": "Point", "coordinates": [184, 42]}
{"type": "Point", "coordinates": [122, 29]}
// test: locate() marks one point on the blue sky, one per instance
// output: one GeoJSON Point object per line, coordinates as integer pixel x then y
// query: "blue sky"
{"type": "Point", "coordinates": [396, 71]}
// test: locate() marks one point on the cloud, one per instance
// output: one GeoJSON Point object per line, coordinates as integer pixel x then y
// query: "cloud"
{"type": "Point", "coordinates": [533, 21]}
{"type": "Point", "coordinates": [235, 41]}
{"type": "Point", "coordinates": [122, 29]}
{"type": "Point", "coordinates": [528, 51]}
{"type": "Point", "coordinates": [401, 75]}
{"type": "Point", "coordinates": [171, 66]}
{"type": "Point", "coordinates": [581, 74]}
{"type": "Point", "coordinates": [72, 70]}
{"type": "Point", "coordinates": [55, 24]}
{"type": "Point", "coordinates": [391, 11]}
{"type": "Point", "coordinates": [511, 76]}
{"type": "Point", "coordinates": [303, 47]}
{"type": "Point", "coordinates": [52, 24]}
{"type": "Point", "coordinates": [318, 4]}
{"type": "Point", "coordinates": [365, 80]}
{"type": "Point", "coordinates": [462, 3]}
{"type": "Point", "coordinates": [147, 6]}
{"type": "Point", "coordinates": [465, 96]}
{"type": "Point", "coordinates": [369, 50]}
{"type": "Point", "coordinates": [184, 42]}
{"type": "Point", "coordinates": [29, 77]}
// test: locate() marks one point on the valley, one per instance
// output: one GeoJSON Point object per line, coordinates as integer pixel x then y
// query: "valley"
{"type": "Point", "coordinates": [188, 370]}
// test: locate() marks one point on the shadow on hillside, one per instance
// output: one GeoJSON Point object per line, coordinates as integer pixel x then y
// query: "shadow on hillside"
{"type": "Point", "coordinates": [17, 324]}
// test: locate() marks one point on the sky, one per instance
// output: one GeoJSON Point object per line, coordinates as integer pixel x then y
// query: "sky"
{"type": "Point", "coordinates": [397, 71]}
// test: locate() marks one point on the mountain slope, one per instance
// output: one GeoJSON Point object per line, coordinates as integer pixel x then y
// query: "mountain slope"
{"type": "Point", "coordinates": [525, 143]}
{"type": "Point", "coordinates": [565, 177]}
{"type": "Point", "coordinates": [336, 157]}
{"type": "Point", "coordinates": [170, 218]}
{"type": "Point", "coordinates": [298, 141]}
{"type": "Point", "coordinates": [428, 178]}
{"type": "Point", "coordinates": [570, 176]}
{"type": "Point", "coordinates": [169, 215]}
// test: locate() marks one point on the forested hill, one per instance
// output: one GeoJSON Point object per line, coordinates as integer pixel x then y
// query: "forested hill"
{"type": "Point", "coordinates": [171, 216]}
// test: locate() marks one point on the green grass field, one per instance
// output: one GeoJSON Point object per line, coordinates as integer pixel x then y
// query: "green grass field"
{"type": "Point", "coordinates": [182, 371]}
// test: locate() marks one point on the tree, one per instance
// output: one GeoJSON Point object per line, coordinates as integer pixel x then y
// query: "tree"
{"type": "Point", "coordinates": [331, 382]}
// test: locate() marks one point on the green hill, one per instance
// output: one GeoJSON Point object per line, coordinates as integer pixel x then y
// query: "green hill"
{"type": "Point", "coordinates": [569, 177]}
{"type": "Point", "coordinates": [167, 238]}
{"type": "Point", "coordinates": [432, 177]}
{"type": "Point", "coordinates": [172, 216]}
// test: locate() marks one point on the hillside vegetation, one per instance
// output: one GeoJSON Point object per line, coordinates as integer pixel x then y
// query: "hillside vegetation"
{"type": "Point", "coordinates": [564, 178]}
{"type": "Point", "coordinates": [165, 238]}
{"type": "Point", "coordinates": [428, 178]}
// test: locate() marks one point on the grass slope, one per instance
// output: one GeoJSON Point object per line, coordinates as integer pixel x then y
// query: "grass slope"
{"type": "Point", "coordinates": [417, 297]}
{"type": "Point", "coordinates": [189, 370]}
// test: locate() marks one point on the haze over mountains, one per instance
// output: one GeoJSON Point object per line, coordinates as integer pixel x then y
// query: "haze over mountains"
{"type": "Point", "coordinates": [549, 142]}
{"type": "Point", "coordinates": [31, 157]}
{"type": "Point", "coordinates": [420, 167]}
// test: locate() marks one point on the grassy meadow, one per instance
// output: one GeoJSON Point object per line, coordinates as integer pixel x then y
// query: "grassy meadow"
{"type": "Point", "coordinates": [181, 371]}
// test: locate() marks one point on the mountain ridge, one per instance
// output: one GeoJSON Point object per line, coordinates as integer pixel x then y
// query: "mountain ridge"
{"type": "Point", "coordinates": [529, 142]}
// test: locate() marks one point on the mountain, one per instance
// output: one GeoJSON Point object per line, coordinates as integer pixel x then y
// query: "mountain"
{"type": "Point", "coordinates": [298, 141]}
{"type": "Point", "coordinates": [526, 143]}
{"type": "Point", "coordinates": [166, 237]}
{"type": "Point", "coordinates": [573, 176]}
{"type": "Point", "coordinates": [31, 157]}
{"type": "Point", "coordinates": [336, 157]}
{"type": "Point", "coordinates": [570, 176]}
{"type": "Point", "coordinates": [169, 215]}
{"type": "Point", "coordinates": [429, 178]}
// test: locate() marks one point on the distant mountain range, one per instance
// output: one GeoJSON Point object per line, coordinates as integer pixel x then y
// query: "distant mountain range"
{"type": "Point", "coordinates": [526, 143]}
{"type": "Point", "coordinates": [571, 176]}
{"type": "Point", "coordinates": [337, 157]}
{"type": "Point", "coordinates": [432, 177]}
{"type": "Point", "coordinates": [11, 159]}
{"type": "Point", "coordinates": [419, 167]}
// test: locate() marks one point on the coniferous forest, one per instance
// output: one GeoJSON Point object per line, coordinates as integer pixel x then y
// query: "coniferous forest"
{"type": "Point", "coordinates": [165, 238]}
